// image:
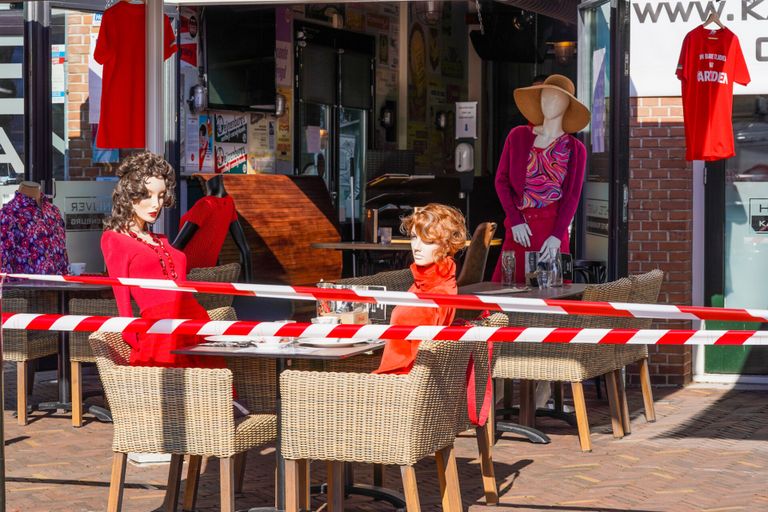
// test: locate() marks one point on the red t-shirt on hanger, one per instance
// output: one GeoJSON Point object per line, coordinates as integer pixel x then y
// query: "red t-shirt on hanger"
{"type": "Point", "coordinates": [710, 62]}
{"type": "Point", "coordinates": [213, 216]}
{"type": "Point", "coordinates": [120, 48]}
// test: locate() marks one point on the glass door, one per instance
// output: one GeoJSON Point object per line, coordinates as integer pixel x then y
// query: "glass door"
{"type": "Point", "coordinates": [737, 236]}
{"type": "Point", "coordinates": [604, 88]}
{"type": "Point", "coordinates": [334, 72]}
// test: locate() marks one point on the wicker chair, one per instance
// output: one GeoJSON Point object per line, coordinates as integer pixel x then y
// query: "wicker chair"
{"type": "Point", "coordinates": [228, 273]}
{"type": "Point", "coordinates": [473, 267]}
{"type": "Point", "coordinates": [645, 290]}
{"type": "Point", "coordinates": [181, 411]}
{"type": "Point", "coordinates": [572, 363]}
{"type": "Point", "coordinates": [24, 346]}
{"type": "Point", "coordinates": [379, 419]}
{"type": "Point", "coordinates": [80, 350]}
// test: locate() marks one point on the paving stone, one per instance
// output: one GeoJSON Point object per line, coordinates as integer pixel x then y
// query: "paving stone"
{"type": "Point", "coordinates": [706, 452]}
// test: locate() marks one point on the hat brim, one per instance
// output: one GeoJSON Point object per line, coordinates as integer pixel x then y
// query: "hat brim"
{"type": "Point", "coordinates": [528, 100]}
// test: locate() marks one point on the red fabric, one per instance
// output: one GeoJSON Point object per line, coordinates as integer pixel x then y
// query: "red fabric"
{"type": "Point", "coordinates": [710, 62]}
{"type": "Point", "coordinates": [126, 257]}
{"type": "Point", "coordinates": [541, 221]}
{"type": "Point", "coordinates": [440, 277]}
{"type": "Point", "coordinates": [212, 215]}
{"type": "Point", "coordinates": [120, 48]}
{"type": "Point", "coordinates": [510, 180]}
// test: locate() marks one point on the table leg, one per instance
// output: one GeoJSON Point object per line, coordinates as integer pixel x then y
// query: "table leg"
{"type": "Point", "coordinates": [280, 367]}
{"type": "Point", "coordinates": [65, 399]}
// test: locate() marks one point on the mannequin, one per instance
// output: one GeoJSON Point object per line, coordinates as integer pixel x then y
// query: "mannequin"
{"type": "Point", "coordinates": [541, 172]}
{"type": "Point", "coordinates": [437, 233]}
{"type": "Point", "coordinates": [130, 249]}
{"type": "Point", "coordinates": [204, 220]}
{"type": "Point", "coordinates": [31, 189]}
{"type": "Point", "coordinates": [32, 234]}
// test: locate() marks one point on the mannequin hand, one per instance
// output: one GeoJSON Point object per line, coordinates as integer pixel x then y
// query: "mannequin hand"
{"type": "Point", "coordinates": [521, 234]}
{"type": "Point", "coordinates": [549, 249]}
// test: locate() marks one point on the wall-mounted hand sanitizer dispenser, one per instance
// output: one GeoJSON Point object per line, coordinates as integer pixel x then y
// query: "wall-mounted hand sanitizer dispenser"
{"type": "Point", "coordinates": [465, 157]}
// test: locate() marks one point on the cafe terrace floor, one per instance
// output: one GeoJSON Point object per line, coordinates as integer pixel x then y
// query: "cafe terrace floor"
{"type": "Point", "coordinates": [708, 451]}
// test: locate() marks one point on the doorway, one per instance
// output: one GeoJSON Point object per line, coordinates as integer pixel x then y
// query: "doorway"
{"type": "Point", "coordinates": [736, 227]}
{"type": "Point", "coordinates": [604, 87]}
{"type": "Point", "coordinates": [334, 77]}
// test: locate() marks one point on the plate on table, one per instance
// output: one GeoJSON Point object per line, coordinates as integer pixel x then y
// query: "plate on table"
{"type": "Point", "coordinates": [330, 342]}
{"type": "Point", "coordinates": [268, 342]}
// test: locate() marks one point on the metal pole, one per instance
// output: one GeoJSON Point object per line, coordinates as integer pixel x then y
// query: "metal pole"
{"type": "Point", "coordinates": [38, 133]}
{"type": "Point", "coordinates": [2, 422]}
{"type": "Point", "coordinates": [154, 104]}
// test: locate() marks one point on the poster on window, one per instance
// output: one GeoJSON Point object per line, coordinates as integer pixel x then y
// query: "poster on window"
{"type": "Point", "coordinates": [198, 144]}
{"type": "Point", "coordinates": [189, 28]}
{"type": "Point", "coordinates": [230, 151]}
{"type": "Point", "coordinates": [262, 140]}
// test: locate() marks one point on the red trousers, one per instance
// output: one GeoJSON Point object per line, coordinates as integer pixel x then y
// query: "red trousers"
{"type": "Point", "coordinates": [541, 221]}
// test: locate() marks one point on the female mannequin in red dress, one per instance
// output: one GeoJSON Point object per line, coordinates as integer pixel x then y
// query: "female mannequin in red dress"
{"type": "Point", "coordinates": [146, 186]}
{"type": "Point", "coordinates": [437, 233]}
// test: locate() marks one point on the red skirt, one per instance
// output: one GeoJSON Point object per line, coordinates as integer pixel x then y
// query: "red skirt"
{"type": "Point", "coordinates": [541, 221]}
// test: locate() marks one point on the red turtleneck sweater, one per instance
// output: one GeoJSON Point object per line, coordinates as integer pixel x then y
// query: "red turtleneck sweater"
{"type": "Point", "coordinates": [440, 277]}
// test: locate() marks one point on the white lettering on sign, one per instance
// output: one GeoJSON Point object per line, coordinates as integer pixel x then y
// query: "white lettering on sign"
{"type": "Point", "coordinates": [657, 32]}
{"type": "Point", "coordinates": [712, 76]}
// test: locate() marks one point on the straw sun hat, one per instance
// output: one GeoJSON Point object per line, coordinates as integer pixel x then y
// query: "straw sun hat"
{"type": "Point", "coordinates": [528, 100]}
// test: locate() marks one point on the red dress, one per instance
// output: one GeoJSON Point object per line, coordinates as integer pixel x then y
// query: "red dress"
{"type": "Point", "coordinates": [127, 257]}
{"type": "Point", "coordinates": [440, 277]}
{"type": "Point", "coordinates": [120, 47]}
{"type": "Point", "coordinates": [212, 215]}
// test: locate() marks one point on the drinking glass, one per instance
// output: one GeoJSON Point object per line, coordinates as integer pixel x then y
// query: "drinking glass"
{"type": "Point", "coordinates": [507, 268]}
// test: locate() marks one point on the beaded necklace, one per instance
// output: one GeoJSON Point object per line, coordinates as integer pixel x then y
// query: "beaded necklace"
{"type": "Point", "coordinates": [161, 251]}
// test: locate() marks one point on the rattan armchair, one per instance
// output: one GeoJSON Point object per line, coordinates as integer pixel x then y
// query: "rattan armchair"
{"type": "Point", "coordinates": [573, 363]}
{"type": "Point", "coordinates": [228, 273]}
{"type": "Point", "coordinates": [181, 411]}
{"type": "Point", "coordinates": [23, 346]}
{"type": "Point", "coordinates": [644, 290]}
{"type": "Point", "coordinates": [80, 350]}
{"type": "Point", "coordinates": [379, 419]}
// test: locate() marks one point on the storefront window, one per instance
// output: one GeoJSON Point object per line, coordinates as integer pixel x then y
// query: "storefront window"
{"type": "Point", "coordinates": [746, 233]}
{"type": "Point", "coordinates": [11, 99]}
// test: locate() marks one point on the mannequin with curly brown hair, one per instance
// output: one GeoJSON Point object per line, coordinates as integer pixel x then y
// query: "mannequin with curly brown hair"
{"type": "Point", "coordinates": [130, 249]}
{"type": "Point", "coordinates": [437, 233]}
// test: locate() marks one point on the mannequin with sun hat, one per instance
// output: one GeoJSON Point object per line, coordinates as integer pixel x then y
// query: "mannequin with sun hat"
{"type": "Point", "coordinates": [541, 172]}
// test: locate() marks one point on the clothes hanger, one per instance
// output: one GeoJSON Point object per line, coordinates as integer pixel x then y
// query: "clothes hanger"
{"type": "Point", "coordinates": [713, 17]}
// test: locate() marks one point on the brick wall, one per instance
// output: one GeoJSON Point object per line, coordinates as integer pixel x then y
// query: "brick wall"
{"type": "Point", "coordinates": [661, 220]}
{"type": "Point", "coordinates": [79, 26]}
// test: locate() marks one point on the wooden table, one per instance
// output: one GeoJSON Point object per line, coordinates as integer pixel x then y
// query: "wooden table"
{"type": "Point", "coordinates": [64, 290]}
{"type": "Point", "coordinates": [281, 356]}
{"type": "Point", "coordinates": [401, 247]}
{"type": "Point", "coordinates": [572, 291]}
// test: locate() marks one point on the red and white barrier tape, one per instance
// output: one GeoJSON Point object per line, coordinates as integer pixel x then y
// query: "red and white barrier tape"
{"type": "Point", "coordinates": [474, 302]}
{"type": "Point", "coordinates": [26, 321]}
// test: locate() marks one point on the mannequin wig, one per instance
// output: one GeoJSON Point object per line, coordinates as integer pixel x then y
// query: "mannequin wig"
{"type": "Point", "coordinates": [134, 172]}
{"type": "Point", "coordinates": [438, 224]}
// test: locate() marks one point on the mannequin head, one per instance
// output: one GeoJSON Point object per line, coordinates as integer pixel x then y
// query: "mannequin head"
{"type": "Point", "coordinates": [554, 103]}
{"type": "Point", "coordinates": [436, 232]}
{"type": "Point", "coordinates": [145, 187]}
{"type": "Point", "coordinates": [30, 189]}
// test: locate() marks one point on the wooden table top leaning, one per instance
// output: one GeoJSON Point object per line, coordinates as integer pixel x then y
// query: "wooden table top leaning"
{"type": "Point", "coordinates": [397, 244]}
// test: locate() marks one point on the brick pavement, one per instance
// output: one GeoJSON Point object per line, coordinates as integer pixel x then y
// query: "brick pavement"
{"type": "Point", "coordinates": [706, 452]}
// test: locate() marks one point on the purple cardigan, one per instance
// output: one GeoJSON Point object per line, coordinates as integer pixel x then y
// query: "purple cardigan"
{"type": "Point", "coordinates": [510, 178]}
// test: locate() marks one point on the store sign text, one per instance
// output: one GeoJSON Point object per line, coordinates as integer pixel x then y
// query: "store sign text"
{"type": "Point", "coordinates": [657, 32]}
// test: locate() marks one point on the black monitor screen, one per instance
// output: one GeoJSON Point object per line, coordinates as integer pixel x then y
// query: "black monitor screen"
{"type": "Point", "coordinates": [240, 57]}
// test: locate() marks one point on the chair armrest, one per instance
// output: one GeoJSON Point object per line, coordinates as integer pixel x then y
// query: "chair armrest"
{"type": "Point", "coordinates": [345, 416]}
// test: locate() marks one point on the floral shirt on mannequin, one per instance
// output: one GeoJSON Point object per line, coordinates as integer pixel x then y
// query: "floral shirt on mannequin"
{"type": "Point", "coordinates": [32, 237]}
